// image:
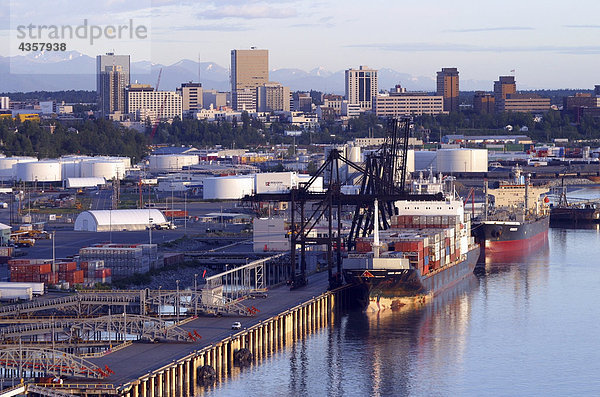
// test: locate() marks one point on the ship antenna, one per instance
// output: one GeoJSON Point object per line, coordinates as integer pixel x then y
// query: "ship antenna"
{"type": "Point", "coordinates": [376, 230]}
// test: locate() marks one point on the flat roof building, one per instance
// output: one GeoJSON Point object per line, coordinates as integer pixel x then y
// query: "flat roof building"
{"type": "Point", "coordinates": [399, 103]}
{"type": "Point", "coordinates": [484, 102]}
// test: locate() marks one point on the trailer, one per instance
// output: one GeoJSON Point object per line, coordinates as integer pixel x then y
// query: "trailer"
{"type": "Point", "coordinates": [37, 288]}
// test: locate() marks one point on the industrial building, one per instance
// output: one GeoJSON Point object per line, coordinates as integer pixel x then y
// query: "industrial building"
{"type": "Point", "coordinates": [118, 220]}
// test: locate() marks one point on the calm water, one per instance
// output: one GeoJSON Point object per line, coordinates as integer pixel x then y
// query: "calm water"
{"type": "Point", "coordinates": [527, 327]}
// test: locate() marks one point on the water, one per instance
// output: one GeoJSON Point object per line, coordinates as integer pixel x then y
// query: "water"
{"type": "Point", "coordinates": [528, 327]}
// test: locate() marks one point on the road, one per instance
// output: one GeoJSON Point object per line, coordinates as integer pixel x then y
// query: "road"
{"type": "Point", "coordinates": [139, 359]}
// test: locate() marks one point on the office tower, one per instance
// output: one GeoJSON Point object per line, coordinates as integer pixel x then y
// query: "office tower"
{"type": "Point", "coordinates": [272, 97]}
{"type": "Point", "coordinates": [112, 77]}
{"type": "Point", "coordinates": [192, 96]}
{"type": "Point", "coordinates": [597, 90]}
{"type": "Point", "coordinates": [447, 86]}
{"type": "Point", "coordinates": [249, 70]}
{"type": "Point", "coordinates": [398, 102]}
{"type": "Point", "coordinates": [504, 86]}
{"type": "Point", "coordinates": [484, 102]}
{"type": "Point", "coordinates": [361, 87]}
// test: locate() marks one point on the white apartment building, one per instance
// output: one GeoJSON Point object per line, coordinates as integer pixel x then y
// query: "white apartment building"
{"type": "Point", "coordinates": [143, 103]}
{"type": "Point", "coordinates": [408, 103]}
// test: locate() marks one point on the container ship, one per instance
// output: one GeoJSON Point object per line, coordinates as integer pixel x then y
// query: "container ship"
{"type": "Point", "coordinates": [518, 221]}
{"type": "Point", "coordinates": [427, 249]}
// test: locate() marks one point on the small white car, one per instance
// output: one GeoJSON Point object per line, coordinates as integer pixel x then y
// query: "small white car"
{"type": "Point", "coordinates": [236, 325]}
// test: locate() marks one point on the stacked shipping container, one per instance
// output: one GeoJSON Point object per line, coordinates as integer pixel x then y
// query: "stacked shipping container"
{"type": "Point", "coordinates": [430, 242]}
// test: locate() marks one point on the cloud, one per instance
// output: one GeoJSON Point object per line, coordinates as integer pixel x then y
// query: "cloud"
{"type": "Point", "coordinates": [249, 11]}
{"type": "Point", "coordinates": [491, 29]}
{"type": "Point", "coordinates": [455, 47]}
{"type": "Point", "coordinates": [582, 26]}
{"type": "Point", "coordinates": [212, 28]}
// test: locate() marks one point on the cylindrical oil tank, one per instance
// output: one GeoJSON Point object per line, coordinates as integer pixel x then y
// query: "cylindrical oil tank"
{"type": "Point", "coordinates": [171, 162]}
{"type": "Point", "coordinates": [107, 169]}
{"type": "Point", "coordinates": [425, 159]}
{"type": "Point", "coordinates": [39, 171]}
{"type": "Point", "coordinates": [228, 187]}
{"type": "Point", "coordinates": [462, 160]}
{"type": "Point", "coordinates": [353, 154]}
{"type": "Point", "coordinates": [8, 169]}
{"type": "Point", "coordinates": [71, 166]}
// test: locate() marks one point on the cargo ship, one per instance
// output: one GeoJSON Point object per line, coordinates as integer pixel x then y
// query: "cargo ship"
{"type": "Point", "coordinates": [519, 219]}
{"type": "Point", "coordinates": [427, 249]}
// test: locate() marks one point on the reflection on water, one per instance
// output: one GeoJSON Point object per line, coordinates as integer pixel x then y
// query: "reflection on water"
{"type": "Point", "coordinates": [527, 325]}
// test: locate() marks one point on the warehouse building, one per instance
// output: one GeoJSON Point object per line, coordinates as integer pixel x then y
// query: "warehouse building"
{"type": "Point", "coordinates": [118, 220]}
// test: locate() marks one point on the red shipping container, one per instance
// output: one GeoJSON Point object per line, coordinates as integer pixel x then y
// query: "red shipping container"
{"type": "Point", "coordinates": [66, 266]}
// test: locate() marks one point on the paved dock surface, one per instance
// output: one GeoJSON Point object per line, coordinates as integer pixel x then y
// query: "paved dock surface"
{"type": "Point", "coordinates": [139, 359]}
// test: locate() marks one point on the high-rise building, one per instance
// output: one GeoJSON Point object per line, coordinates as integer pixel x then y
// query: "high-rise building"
{"type": "Point", "coordinates": [249, 70]}
{"type": "Point", "coordinates": [597, 90]}
{"type": "Point", "coordinates": [447, 86]}
{"type": "Point", "coordinates": [361, 87]}
{"type": "Point", "coordinates": [272, 97]}
{"type": "Point", "coordinates": [484, 102]}
{"type": "Point", "coordinates": [504, 86]}
{"type": "Point", "coordinates": [191, 96]}
{"type": "Point", "coordinates": [112, 77]}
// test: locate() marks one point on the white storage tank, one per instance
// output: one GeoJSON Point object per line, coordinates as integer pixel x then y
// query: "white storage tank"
{"type": "Point", "coordinates": [171, 162]}
{"type": "Point", "coordinates": [107, 169]}
{"type": "Point", "coordinates": [462, 160]}
{"type": "Point", "coordinates": [8, 166]}
{"type": "Point", "coordinates": [425, 159]}
{"type": "Point", "coordinates": [39, 171]}
{"type": "Point", "coordinates": [228, 187]}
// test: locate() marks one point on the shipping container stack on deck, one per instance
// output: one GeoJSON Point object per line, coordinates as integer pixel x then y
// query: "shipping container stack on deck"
{"type": "Point", "coordinates": [429, 242]}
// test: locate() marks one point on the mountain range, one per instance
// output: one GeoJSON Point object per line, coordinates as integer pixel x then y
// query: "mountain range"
{"type": "Point", "coordinates": [72, 70]}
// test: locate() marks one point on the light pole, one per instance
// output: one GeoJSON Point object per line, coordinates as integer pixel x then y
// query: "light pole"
{"type": "Point", "coordinates": [177, 301]}
{"type": "Point", "coordinates": [185, 213]}
{"type": "Point", "coordinates": [150, 228]}
{"type": "Point", "coordinates": [159, 302]}
{"type": "Point", "coordinates": [195, 294]}
{"type": "Point", "coordinates": [53, 253]}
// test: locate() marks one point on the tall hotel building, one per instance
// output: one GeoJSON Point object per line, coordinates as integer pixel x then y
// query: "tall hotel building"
{"type": "Point", "coordinates": [249, 70]}
{"type": "Point", "coordinates": [112, 77]}
{"type": "Point", "coordinates": [447, 86]}
{"type": "Point", "coordinates": [361, 87]}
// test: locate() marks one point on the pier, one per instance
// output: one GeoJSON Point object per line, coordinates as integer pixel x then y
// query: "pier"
{"type": "Point", "coordinates": [177, 368]}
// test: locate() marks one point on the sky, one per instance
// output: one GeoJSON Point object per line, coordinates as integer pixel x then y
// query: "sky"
{"type": "Point", "coordinates": [549, 44]}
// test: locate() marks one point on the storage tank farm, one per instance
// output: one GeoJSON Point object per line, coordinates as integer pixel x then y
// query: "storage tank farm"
{"type": "Point", "coordinates": [462, 160]}
{"type": "Point", "coordinates": [32, 170]}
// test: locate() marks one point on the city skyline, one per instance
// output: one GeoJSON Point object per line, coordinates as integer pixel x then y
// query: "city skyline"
{"type": "Point", "coordinates": [550, 45]}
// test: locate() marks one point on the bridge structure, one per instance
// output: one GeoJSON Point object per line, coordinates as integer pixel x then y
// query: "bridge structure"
{"type": "Point", "coordinates": [17, 361]}
{"type": "Point", "coordinates": [120, 327]}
